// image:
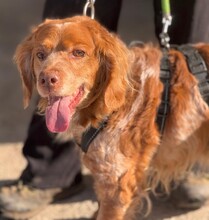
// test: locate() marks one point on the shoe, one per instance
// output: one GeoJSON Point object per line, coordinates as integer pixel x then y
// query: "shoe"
{"type": "Point", "coordinates": [192, 193]}
{"type": "Point", "coordinates": [19, 201]}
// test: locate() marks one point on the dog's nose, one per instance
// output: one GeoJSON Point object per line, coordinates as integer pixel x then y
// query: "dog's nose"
{"type": "Point", "coordinates": [50, 79]}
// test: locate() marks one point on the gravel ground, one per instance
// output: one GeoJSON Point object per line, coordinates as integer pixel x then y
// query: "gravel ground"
{"type": "Point", "coordinates": [16, 18]}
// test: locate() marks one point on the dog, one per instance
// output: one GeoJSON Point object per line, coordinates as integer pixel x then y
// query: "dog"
{"type": "Point", "coordinates": [87, 77]}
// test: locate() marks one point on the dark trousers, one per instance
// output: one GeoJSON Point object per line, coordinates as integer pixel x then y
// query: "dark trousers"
{"type": "Point", "coordinates": [189, 22]}
{"type": "Point", "coordinates": [53, 164]}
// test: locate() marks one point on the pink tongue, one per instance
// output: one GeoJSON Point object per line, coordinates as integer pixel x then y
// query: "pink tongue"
{"type": "Point", "coordinates": [58, 114]}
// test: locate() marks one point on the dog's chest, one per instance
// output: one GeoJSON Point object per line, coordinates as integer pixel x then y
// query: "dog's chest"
{"type": "Point", "coordinates": [105, 154]}
{"type": "Point", "coordinates": [104, 157]}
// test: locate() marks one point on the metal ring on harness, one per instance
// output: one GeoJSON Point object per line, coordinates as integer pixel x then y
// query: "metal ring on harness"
{"type": "Point", "coordinates": [89, 4]}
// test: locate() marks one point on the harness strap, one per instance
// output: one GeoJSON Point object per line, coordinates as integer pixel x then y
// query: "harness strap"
{"type": "Point", "coordinates": [89, 135]}
{"type": "Point", "coordinates": [198, 68]}
{"type": "Point", "coordinates": [165, 77]}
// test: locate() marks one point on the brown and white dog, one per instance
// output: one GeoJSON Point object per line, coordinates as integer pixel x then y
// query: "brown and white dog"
{"type": "Point", "coordinates": [85, 74]}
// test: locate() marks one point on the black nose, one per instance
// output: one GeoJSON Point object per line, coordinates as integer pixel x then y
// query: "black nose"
{"type": "Point", "coordinates": [49, 79]}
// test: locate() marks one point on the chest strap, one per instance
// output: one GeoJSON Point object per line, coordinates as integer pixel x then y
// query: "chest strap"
{"type": "Point", "coordinates": [89, 135]}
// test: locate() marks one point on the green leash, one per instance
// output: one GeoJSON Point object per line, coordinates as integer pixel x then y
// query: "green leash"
{"type": "Point", "coordinates": [166, 9]}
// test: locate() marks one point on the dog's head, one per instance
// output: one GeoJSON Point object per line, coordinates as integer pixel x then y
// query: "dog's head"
{"type": "Point", "coordinates": [74, 64]}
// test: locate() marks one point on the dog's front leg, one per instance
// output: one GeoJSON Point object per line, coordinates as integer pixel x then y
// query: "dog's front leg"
{"type": "Point", "coordinates": [117, 199]}
{"type": "Point", "coordinates": [108, 210]}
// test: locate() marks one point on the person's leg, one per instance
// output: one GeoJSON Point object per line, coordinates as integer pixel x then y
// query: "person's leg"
{"type": "Point", "coordinates": [182, 16]}
{"type": "Point", "coordinates": [200, 27]}
{"type": "Point", "coordinates": [47, 156]}
{"type": "Point", "coordinates": [106, 12]}
{"type": "Point", "coordinates": [53, 168]}
{"type": "Point", "coordinates": [189, 25]}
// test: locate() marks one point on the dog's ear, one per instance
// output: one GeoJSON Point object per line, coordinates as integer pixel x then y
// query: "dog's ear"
{"type": "Point", "coordinates": [113, 55]}
{"type": "Point", "coordinates": [115, 62]}
{"type": "Point", "coordinates": [24, 60]}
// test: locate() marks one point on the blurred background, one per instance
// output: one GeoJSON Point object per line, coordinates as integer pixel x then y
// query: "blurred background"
{"type": "Point", "coordinates": [16, 20]}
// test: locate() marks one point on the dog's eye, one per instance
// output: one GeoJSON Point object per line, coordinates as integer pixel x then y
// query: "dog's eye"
{"type": "Point", "coordinates": [41, 56]}
{"type": "Point", "coordinates": [78, 53]}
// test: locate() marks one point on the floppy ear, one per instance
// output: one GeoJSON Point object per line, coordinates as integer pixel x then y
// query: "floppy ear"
{"type": "Point", "coordinates": [114, 57]}
{"type": "Point", "coordinates": [23, 58]}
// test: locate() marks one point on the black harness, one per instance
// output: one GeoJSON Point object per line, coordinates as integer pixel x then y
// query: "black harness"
{"type": "Point", "coordinates": [165, 77]}
{"type": "Point", "coordinates": [196, 66]}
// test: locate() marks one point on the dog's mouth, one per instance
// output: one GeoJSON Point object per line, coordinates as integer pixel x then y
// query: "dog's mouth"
{"type": "Point", "coordinates": [61, 109]}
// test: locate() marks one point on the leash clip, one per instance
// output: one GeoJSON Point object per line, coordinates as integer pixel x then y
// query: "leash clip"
{"type": "Point", "coordinates": [165, 39]}
{"type": "Point", "coordinates": [89, 4]}
{"type": "Point", "coordinates": [166, 21]}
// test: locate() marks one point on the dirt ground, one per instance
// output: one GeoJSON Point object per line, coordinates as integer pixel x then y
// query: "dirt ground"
{"type": "Point", "coordinates": [16, 18]}
{"type": "Point", "coordinates": [83, 205]}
